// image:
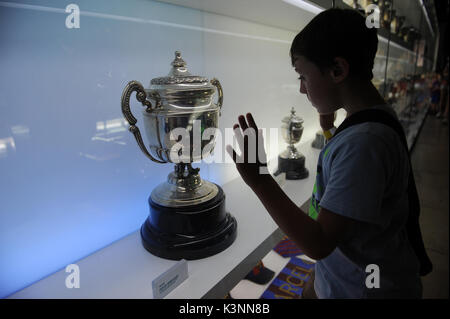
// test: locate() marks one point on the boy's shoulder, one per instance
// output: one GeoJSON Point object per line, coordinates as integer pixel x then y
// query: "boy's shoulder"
{"type": "Point", "coordinates": [367, 135]}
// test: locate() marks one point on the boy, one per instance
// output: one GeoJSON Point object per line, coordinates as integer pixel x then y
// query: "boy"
{"type": "Point", "coordinates": [360, 197]}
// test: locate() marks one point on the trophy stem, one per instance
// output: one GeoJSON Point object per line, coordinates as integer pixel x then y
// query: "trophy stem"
{"type": "Point", "coordinates": [181, 169]}
{"type": "Point", "coordinates": [293, 152]}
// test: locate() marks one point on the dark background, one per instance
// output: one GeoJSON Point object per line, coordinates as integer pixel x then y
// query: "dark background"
{"type": "Point", "coordinates": [442, 11]}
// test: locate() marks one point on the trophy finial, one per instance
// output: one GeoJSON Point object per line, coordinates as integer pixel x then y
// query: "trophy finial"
{"type": "Point", "coordinates": [178, 61]}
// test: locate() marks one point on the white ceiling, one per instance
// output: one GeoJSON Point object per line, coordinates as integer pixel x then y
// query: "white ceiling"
{"type": "Point", "coordinates": [274, 13]}
{"type": "Point", "coordinates": [280, 14]}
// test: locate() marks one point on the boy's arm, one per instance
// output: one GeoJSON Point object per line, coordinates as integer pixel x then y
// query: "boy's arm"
{"type": "Point", "coordinates": [317, 238]}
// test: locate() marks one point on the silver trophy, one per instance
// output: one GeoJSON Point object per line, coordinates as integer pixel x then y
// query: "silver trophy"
{"type": "Point", "coordinates": [187, 217]}
{"type": "Point", "coordinates": [291, 161]}
{"type": "Point", "coordinates": [320, 140]}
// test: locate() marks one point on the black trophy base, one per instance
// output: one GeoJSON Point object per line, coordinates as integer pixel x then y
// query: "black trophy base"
{"type": "Point", "coordinates": [294, 168]}
{"type": "Point", "coordinates": [189, 232]}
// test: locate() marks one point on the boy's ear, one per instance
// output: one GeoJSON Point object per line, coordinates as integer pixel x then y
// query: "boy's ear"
{"type": "Point", "coordinates": [340, 69]}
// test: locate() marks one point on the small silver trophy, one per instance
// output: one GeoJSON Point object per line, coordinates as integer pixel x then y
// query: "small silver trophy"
{"type": "Point", "coordinates": [187, 217]}
{"type": "Point", "coordinates": [292, 161]}
{"type": "Point", "coordinates": [320, 140]}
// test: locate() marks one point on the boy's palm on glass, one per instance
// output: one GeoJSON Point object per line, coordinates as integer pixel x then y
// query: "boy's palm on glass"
{"type": "Point", "coordinates": [252, 162]}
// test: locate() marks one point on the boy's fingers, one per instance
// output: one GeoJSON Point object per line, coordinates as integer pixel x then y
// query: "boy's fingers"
{"type": "Point", "coordinates": [231, 152]}
{"type": "Point", "coordinates": [251, 121]}
{"type": "Point", "coordinates": [260, 136]}
{"type": "Point", "coordinates": [262, 156]}
{"type": "Point", "coordinates": [244, 153]}
{"type": "Point", "coordinates": [242, 122]}
{"type": "Point", "coordinates": [239, 138]}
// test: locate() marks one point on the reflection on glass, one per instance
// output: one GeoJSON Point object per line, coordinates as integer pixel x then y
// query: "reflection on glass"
{"type": "Point", "coordinates": [21, 130]}
{"type": "Point", "coordinates": [5, 145]}
{"type": "Point", "coordinates": [108, 131]}
{"type": "Point", "coordinates": [110, 127]}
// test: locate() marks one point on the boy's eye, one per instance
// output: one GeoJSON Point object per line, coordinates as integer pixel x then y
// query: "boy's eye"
{"type": "Point", "coordinates": [301, 77]}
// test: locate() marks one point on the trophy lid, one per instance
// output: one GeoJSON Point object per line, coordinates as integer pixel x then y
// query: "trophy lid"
{"type": "Point", "coordinates": [179, 75]}
{"type": "Point", "coordinates": [293, 119]}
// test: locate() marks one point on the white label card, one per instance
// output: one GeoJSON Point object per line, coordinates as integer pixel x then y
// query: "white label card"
{"type": "Point", "coordinates": [170, 279]}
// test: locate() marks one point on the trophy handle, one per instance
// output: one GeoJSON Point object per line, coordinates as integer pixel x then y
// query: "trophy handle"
{"type": "Point", "coordinates": [141, 96]}
{"type": "Point", "coordinates": [216, 83]}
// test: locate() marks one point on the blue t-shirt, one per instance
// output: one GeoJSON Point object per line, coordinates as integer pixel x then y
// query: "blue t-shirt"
{"type": "Point", "coordinates": [362, 174]}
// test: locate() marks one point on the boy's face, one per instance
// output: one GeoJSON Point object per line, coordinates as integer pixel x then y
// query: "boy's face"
{"type": "Point", "coordinates": [319, 87]}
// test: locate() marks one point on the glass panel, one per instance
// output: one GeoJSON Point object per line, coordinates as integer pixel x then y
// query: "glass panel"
{"type": "Point", "coordinates": [73, 179]}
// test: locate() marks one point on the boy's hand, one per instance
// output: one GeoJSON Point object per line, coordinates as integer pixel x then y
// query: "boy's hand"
{"type": "Point", "coordinates": [252, 163]}
{"type": "Point", "coordinates": [327, 121]}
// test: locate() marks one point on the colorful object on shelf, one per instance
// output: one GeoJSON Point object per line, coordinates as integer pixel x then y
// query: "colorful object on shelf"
{"type": "Point", "coordinates": [287, 248]}
{"type": "Point", "coordinates": [290, 281]}
{"type": "Point", "coordinates": [260, 274]}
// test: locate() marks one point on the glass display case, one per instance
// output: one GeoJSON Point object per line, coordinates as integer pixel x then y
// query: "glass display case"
{"type": "Point", "coordinates": [72, 179]}
{"type": "Point", "coordinates": [407, 42]}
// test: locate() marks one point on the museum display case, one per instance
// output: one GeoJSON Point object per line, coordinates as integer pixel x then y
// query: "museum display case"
{"type": "Point", "coordinates": [406, 51]}
{"type": "Point", "coordinates": [73, 180]}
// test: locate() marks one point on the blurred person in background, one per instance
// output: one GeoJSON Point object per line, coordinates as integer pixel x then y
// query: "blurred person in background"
{"type": "Point", "coordinates": [445, 116]}
{"type": "Point", "coordinates": [435, 94]}
{"type": "Point", "coordinates": [443, 105]}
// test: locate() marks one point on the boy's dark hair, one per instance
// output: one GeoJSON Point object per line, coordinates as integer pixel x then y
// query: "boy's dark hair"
{"type": "Point", "coordinates": [338, 33]}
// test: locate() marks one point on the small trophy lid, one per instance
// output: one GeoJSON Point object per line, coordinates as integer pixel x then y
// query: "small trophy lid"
{"type": "Point", "coordinates": [179, 74]}
{"type": "Point", "coordinates": [293, 119]}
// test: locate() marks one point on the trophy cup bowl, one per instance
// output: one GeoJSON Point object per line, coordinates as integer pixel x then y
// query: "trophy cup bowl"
{"type": "Point", "coordinates": [187, 217]}
{"type": "Point", "coordinates": [292, 161]}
